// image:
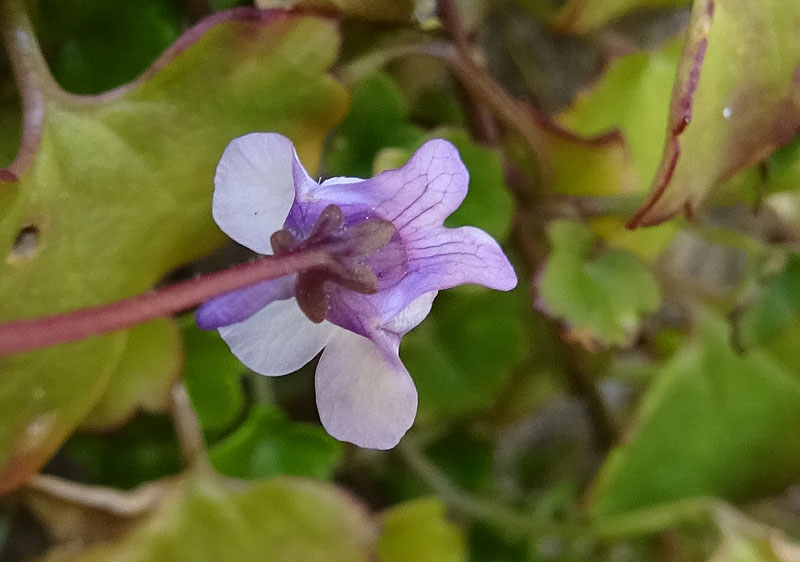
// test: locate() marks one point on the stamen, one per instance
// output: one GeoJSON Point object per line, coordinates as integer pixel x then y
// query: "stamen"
{"type": "Point", "coordinates": [311, 295]}
{"type": "Point", "coordinates": [282, 241]}
{"type": "Point", "coordinates": [367, 237]}
{"type": "Point", "coordinates": [346, 245]}
{"type": "Point", "coordinates": [329, 221]}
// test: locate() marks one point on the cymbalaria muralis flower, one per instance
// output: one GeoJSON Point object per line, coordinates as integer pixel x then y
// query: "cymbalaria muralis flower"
{"type": "Point", "coordinates": [392, 256]}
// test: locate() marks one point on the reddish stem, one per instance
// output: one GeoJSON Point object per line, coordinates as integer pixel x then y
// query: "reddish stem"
{"type": "Point", "coordinates": [25, 335]}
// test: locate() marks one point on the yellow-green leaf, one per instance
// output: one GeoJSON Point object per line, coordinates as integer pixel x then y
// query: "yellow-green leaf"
{"type": "Point", "coordinates": [417, 531]}
{"type": "Point", "coordinates": [151, 362]}
{"type": "Point", "coordinates": [207, 519]}
{"type": "Point", "coordinates": [118, 193]}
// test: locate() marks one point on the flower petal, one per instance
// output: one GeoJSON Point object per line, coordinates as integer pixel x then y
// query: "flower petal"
{"type": "Point", "coordinates": [238, 306]}
{"type": "Point", "coordinates": [416, 196]}
{"type": "Point", "coordinates": [458, 256]}
{"type": "Point", "coordinates": [277, 340]}
{"type": "Point", "coordinates": [411, 316]}
{"type": "Point", "coordinates": [364, 396]}
{"type": "Point", "coordinates": [254, 188]}
{"type": "Point", "coordinates": [447, 258]}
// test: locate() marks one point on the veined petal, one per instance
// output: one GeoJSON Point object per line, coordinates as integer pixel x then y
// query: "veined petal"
{"type": "Point", "coordinates": [278, 339]}
{"type": "Point", "coordinates": [459, 256]}
{"type": "Point", "coordinates": [238, 306]}
{"type": "Point", "coordinates": [364, 396]}
{"type": "Point", "coordinates": [447, 258]}
{"type": "Point", "coordinates": [414, 197]}
{"type": "Point", "coordinates": [254, 188]}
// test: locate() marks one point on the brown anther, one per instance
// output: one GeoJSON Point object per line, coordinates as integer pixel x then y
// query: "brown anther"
{"type": "Point", "coordinates": [282, 241]}
{"type": "Point", "coordinates": [360, 278]}
{"type": "Point", "coordinates": [311, 296]}
{"type": "Point", "coordinates": [364, 238]}
{"type": "Point", "coordinates": [345, 246]}
{"type": "Point", "coordinates": [329, 221]}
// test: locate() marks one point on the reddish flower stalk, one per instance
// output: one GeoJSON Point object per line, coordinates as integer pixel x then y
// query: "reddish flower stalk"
{"type": "Point", "coordinates": [25, 335]}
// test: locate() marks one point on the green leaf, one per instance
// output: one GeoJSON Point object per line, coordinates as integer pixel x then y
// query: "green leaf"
{"type": "Point", "coordinates": [150, 364]}
{"type": "Point", "coordinates": [629, 103]}
{"type": "Point", "coordinates": [462, 356]}
{"type": "Point", "coordinates": [607, 168]}
{"type": "Point", "coordinates": [267, 444]}
{"type": "Point", "coordinates": [206, 519]}
{"type": "Point", "coordinates": [212, 376]}
{"type": "Point", "coordinates": [378, 119]}
{"type": "Point", "coordinates": [602, 298]}
{"type": "Point", "coordinates": [714, 423]}
{"type": "Point", "coordinates": [417, 531]}
{"type": "Point", "coordinates": [377, 10]}
{"type": "Point", "coordinates": [632, 96]}
{"type": "Point", "coordinates": [735, 100]}
{"type": "Point", "coordinates": [118, 194]}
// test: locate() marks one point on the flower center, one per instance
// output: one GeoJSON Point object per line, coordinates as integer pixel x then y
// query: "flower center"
{"type": "Point", "coordinates": [348, 246]}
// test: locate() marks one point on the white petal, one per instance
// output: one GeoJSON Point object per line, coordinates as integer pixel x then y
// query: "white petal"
{"type": "Point", "coordinates": [277, 340]}
{"type": "Point", "coordinates": [254, 188]}
{"type": "Point", "coordinates": [363, 397]}
{"type": "Point", "coordinates": [410, 317]}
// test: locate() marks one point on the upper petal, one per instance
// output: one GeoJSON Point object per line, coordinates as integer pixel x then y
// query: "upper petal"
{"type": "Point", "coordinates": [458, 256]}
{"type": "Point", "coordinates": [240, 305]}
{"type": "Point", "coordinates": [277, 340]}
{"type": "Point", "coordinates": [446, 258]}
{"type": "Point", "coordinates": [254, 188]}
{"type": "Point", "coordinates": [364, 396]}
{"type": "Point", "coordinates": [416, 196]}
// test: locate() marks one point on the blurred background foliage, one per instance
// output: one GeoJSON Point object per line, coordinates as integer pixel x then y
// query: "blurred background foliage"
{"type": "Point", "coordinates": [637, 397]}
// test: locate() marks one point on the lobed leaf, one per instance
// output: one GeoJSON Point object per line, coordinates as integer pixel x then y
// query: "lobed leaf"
{"type": "Point", "coordinates": [603, 298]}
{"type": "Point", "coordinates": [417, 531]}
{"type": "Point", "coordinates": [205, 518]}
{"type": "Point", "coordinates": [78, 197]}
{"type": "Point", "coordinates": [268, 444]}
{"type": "Point", "coordinates": [714, 423]}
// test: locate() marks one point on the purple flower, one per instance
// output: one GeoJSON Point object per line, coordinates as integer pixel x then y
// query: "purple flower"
{"type": "Point", "coordinates": [364, 393]}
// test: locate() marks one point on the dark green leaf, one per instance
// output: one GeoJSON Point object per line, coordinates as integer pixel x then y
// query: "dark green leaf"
{"type": "Point", "coordinates": [267, 444]}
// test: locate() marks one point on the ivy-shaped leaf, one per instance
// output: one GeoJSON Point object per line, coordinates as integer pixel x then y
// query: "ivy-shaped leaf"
{"type": "Point", "coordinates": [204, 518]}
{"type": "Point", "coordinates": [602, 298]}
{"type": "Point", "coordinates": [111, 192]}
{"type": "Point", "coordinates": [417, 531]}
{"type": "Point", "coordinates": [631, 99]}
{"type": "Point", "coordinates": [150, 364]}
{"type": "Point", "coordinates": [714, 423]}
{"type": "Point", "coordinates": [267, 444]}
{"type": "Point", "coordinates": [212, 377]}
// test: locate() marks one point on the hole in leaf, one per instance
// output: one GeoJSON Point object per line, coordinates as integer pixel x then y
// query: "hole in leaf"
{"type": "Point", "coordinates": [26, 245]}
